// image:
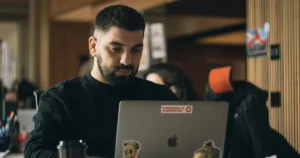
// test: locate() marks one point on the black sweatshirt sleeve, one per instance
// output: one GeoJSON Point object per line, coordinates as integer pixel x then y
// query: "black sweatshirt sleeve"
{"type": "Point", "coordinates": [49, 129]}
{"type": "Point", "coordinates": [280, 147]}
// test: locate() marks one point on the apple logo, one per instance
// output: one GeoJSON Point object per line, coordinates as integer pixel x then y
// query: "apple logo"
{"type": "Point", "coordinates": [172, 141]}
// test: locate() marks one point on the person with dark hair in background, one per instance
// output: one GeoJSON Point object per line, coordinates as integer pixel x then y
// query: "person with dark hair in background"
{"type": "Point", "coordinates": [25, 96]}
{"type": "Point", "coordinates": [2, 89]}
{"type": "Point", "coordinates": [87, 107]}
{"type": "Point", "coordinates": [174, 78]}
{"type": "Point", "coordinates": [249, 134]}
{"type": "Point", "coordinates": [6, 94]}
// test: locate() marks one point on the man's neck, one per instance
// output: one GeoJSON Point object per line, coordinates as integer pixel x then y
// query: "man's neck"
{"type": "Point", "coordinates": [98, 76]}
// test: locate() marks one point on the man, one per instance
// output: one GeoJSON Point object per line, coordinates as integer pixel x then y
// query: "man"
{"type": "Point", "coordinates": [87, 108]}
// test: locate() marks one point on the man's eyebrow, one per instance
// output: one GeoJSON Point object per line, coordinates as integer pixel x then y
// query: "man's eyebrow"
{"type": "Point", "coordinates": [120, 44]}
{"type": "Point", "coordinates": [116, 43]}
{"type": "Point", "coordinates": [139, 45]}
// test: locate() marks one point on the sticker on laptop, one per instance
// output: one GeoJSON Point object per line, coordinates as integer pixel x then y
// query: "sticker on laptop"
{"type": "Point", "coordinates": [131, 148]}
{"type": "Point", "coordinates": [208, 150]}
{"type": "Point", "coordinates": [176, 109]}
{"type": "Point", "coordinates": [274, 156]}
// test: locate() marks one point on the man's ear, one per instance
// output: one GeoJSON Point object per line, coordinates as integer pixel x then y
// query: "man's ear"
{"type": "Point", "coordinates": [92, 45]}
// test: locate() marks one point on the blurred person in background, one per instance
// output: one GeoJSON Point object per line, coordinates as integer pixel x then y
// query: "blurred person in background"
{"type": "Point", "coordinates": [249, 134]}
{"type": "Point", "coordinates": [7, 95]}
{"type": "Point", "coordinates": [10, 96]}
{"type": "Point", "coordinates": [2, 90]}
{"type": "Point", "coordinates": [86, 67]}
{"type": "Point", "coordinates": [174, 78]}
{"type": "Point", "coordinates": [25, 97]}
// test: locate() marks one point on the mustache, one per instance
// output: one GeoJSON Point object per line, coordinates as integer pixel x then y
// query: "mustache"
{"type": "Point", "coordinates": [125, 67]}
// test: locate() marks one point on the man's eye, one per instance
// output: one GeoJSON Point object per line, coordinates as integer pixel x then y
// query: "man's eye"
{"type": "Point", "coordinates": [116, 49]}
{"type": "Point", "coordinates": [136, 50]}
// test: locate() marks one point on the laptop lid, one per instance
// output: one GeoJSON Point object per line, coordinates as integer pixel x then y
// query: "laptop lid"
{"type": "Point", "coordinates": [174, 129]}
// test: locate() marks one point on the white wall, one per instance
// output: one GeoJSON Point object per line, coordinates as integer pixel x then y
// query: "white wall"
{"type": "Point", "coordinates": [9, 34]}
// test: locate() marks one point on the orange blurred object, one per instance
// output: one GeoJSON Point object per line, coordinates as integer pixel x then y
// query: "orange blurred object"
{"type": "Point", "coordinates": [219, 79]}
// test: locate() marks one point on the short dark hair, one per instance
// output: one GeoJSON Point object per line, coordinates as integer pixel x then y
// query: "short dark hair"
{"type": "Point", "coordinates": [25, 89]}
{"type": "Point", "coordinates": [174, 76]}
{"type": "Point", "coordinates": [120, 16]}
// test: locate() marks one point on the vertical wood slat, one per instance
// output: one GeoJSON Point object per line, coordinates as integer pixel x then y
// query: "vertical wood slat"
{"type": "Point", "coordinates": [278, 66]}
{"type": "Point", "coordinates": [286, 79]}
{"type": "Point", "coordinates": [297, 4]}
{"type": "Point", "coordinates": [281, 38]}
{"type": "Point", "coordinates": [272, 65]}
{"type": "Point", "coordinates": [284, 51]}
{"type": "Point", "coordinates": [296, 74]}
{"type": "Point", "coordinates": [290, 107]}
{"type": "Point", "coordinates": [282, 75]}
{"type": "Point", "coordinates": [290, 79]}
{"type": "Point", "coordinates": [250, 24]}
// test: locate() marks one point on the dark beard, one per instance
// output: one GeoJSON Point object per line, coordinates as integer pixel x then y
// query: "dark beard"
{"type": "Point", "coordinates": [114, 80]}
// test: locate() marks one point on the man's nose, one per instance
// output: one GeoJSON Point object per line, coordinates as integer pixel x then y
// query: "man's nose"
{"type": "Point", "coordinates": [126, 58]}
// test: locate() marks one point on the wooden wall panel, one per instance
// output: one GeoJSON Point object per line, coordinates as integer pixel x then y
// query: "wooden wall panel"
{"type": "Point", "coordinates": [58, 7]}
{"type": "Point", "coordinates": [68, 41]}
{"type": "Point", "coordinates": [279, 75]}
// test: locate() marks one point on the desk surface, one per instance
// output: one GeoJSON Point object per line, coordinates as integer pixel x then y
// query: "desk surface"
{"type": "Point", "coordinates": [20, 155]}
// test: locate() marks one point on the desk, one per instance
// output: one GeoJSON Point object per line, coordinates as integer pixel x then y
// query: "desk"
{"type": "Point", "coordinates": [20, 155]}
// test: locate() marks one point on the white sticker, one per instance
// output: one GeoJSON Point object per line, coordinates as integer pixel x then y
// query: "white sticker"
{"type": "Point", "coordinates": [274, 156]}
{"type": "Point", "coordinates": [176, 109]}
{"type": "Point", "coordinates": [209, 149]}
{"type": "Point", "coordinates": [131, 148]}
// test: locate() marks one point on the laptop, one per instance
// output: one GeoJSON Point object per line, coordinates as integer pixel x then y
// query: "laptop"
{"type": "Point", "coordinates": [25, 119]}
{"type": "Point", "coordinates": [171, 129]}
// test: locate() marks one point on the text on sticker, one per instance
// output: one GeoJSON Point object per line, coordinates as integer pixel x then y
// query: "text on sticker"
{"type": "Point", "coordinates": [177, 109]}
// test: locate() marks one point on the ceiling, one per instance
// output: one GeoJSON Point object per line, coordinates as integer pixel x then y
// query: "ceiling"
{"type": "Point", "coordinates": [232, 38]}
{"type": "Point", "coordinates": [7, 26]}
{"type": "Point", "coordinates": [11, 10]}
{"type": "Point", "coordinates": [13, 3]}
{"type": "Point", "coordinates": [204, 22]}
{"type": "Point", "coordinates": [207, 22]}
{"type": "Point", "coordinates": [184, 19]}
{"type": "Point", "coordinates": [184, 25]}
{"type": "Point", "coordinates": [86, 11]}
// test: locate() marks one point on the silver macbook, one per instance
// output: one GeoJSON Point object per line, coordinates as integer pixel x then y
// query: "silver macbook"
{"type": "Point", "coordinates": [171, 129]}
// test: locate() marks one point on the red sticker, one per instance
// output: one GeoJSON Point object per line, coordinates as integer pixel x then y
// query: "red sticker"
{"type": "Point", "coordinates": [176, 109]}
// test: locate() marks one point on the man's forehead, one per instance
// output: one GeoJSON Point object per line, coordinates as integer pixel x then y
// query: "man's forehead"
{"type": "Point", "coordinates": [124, 36]}
{"type": "Point", "coordinates": [122, 33]}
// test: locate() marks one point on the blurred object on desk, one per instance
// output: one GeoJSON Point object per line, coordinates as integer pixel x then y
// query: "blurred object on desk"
{"type": "Point", "coordinates": [72, 149]}
{"type": "Point", "coordinates": [3, 154]}
{"type": "Point", "coordinates": [17, 155]}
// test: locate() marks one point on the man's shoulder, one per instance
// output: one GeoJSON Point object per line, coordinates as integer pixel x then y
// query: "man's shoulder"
{"type": "Point", "coordinates": [62, 88]}
{"type": "Point", "coordinates": [148, 84]}
{"type": "Point", "coordinates": [156, 90]}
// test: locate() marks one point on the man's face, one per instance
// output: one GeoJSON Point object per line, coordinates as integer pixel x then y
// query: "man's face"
{"type": "Point", "coordinates": [118, 53]}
